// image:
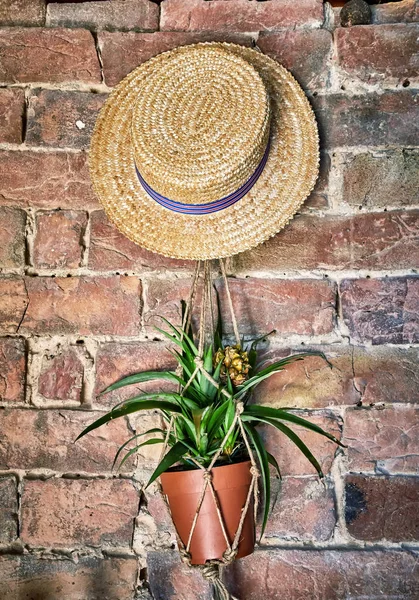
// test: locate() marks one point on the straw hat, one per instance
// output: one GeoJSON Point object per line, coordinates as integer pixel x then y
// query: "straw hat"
{"type": "Point", "coordinates": [204, 151]}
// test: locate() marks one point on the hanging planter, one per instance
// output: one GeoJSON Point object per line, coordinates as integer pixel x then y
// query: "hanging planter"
{"type": "Point", "coordinates": [213, 453]}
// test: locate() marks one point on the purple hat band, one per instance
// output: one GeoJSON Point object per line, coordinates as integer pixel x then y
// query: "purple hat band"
{"type": "Point", "coordinates": [209, 207]}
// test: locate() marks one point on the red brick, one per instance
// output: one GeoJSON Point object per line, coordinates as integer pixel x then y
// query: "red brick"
{"type": "Point", "coordinates": [45, 439]}
{"type": "Point", "coordinates": [48, 55]}
{"type": "Point", "coordinates": [61, 376]}
{"type": "Point", "coordinates": [290, 459]}
{"type": "Point", "coordinates": [290, 49]}
{"type": "Point", "coordinates": [22, 12]}
{"type": "Point", "coordinates": [383, 441]}
{"type": "Point", "coordinates": [367, 120]}
{"type": "Point", "coordinates": [239, 15]}
{"type": "Point", "coordinates": [118, 14]}
{"type": "Point", "coordinates": [12, 231]}
{"type": "Point", "coordinates": [373, 375]}
{"type": "Point", "coordinates": [122, 52]}
{"type": "Point", "coordinates": [301, 306]}
{"type": "Point", "coordinates": [8, 510]}
{"type": "Point", "coordinates": [13, 369]}
{"type": "Point", "coordinates": [110, 250]}
{"type": "Point", "coordinates": [324, 575]}
{"type": "Point", "coordinates": [405, 11]}
{"type": "Point", "coordinates": [381, 310]}
{"type": "Point", "coordinates": [13, 303]}
{"type": "Point", "coordinates": [11, 115]}
{"type": "Point", "coordinates": [304, 510]}
{"type": "Point", "coordinates": [172, 580]}
{"type": "Point", "coordinates": [370, 241]}
{"type": "Point", "coordinates": [310, 383]}
{"type": "Point", "coordinates": [89, 578]}
{"type": "Point", "coordinates": [69, 512]}
{"type": "Point", "coordinates": [382, 508]}
{"type": "Point", "coordinates": [381, 179]}
{"type": "Point", "coordinates": [59, 238]}
{"type": "Point", "coordinates": [394, 55]}
{"type": "Point", "coordinates": [106, 305]}
{"type": "Point", "coordinates": [62, 119]}
{"type": "Point", "coordinates": [45, 180]}
{"type": "Point", "coordinates": [319, 196]}
{"type": "Point", "coordinates": [385, 374]}
{"type": "Point", "coordinates": [116, 360]}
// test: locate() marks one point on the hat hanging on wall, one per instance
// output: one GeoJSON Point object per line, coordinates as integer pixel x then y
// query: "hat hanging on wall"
{"type": "Point", "coordinates": [204, 151]}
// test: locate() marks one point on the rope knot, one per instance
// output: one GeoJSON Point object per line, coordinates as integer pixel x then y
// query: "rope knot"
{"type": "Point", "coordinates": [254, 471]}
{"type": "Point", "coordinates": [239, 408]}
{"type": "Point", "coordinates": [211, 572]}
{"type": "Point", "coordinates": [185, 556]}
{"type": "Point", "coordinates": [179, 371]}
{"type": "Point", "coordinates": [229, 555]}
{"type": "Point", "coordinates": [207, 476]}
{"type": "Point", "coordinates": [199, 362]}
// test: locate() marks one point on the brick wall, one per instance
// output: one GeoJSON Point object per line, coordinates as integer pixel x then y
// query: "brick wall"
{"type": "Point", "coordinates": [78, 301]}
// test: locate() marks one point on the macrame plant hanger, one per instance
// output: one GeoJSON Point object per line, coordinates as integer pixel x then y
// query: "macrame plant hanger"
{"type": "Point", "coordinates": [211, 569]}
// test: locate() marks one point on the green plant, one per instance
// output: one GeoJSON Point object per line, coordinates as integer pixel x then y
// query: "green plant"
{"type": "Point", "coordinates": [201, 414]}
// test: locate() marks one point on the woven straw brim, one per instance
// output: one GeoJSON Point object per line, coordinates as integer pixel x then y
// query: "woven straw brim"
{"type": "Point", "coordinates": [287, 179]}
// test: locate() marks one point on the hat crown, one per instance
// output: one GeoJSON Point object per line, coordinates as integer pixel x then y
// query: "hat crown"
{"type": "Point", "coordinates": [200, 125]}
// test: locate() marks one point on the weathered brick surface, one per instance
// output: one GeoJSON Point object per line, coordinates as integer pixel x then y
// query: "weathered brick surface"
{"type": "Point", "coordinates": [108, 305]}
{"type": "Point", "coordinates": [370, 241]}
{"type": "Point", "coordinates": [122, 52]}
{"type": "Point", "coordinates": [239, 15]}
{"type": "Point", "coordinates": [356, 235]}
{"type": "Point", "coordinates": [13, 303]}
{"type": "Point", "coordinates": [45, 180]}
{"type": "Point", "coordinates": [386, 375]}
{"type": "Point", "coordinates": [301, 307]}
{"type": "Point", "coordinates": [381, 310]}
{"type": "Point", "coordinates": [382, 441]}
{"type": "Point", "coordinates": [8, 510]}
{"type": "Point", "coordinates": [12, 231]}
{"type": "Point", "coordinates": [11, 115]}
{"type": "Point", "coordinates": [62, 119]}
{"type": "Point", "coordinates": [117, 360]}
{"type": "Point", "coordinates": [22, 12]}
{"type": "Point", "coordinates": [47, 55]}
{"type": "Point", "coordinates": [102, 512]}
{"type": "Point", "coordinates": [88, 578]}
{"type": "Point", "coordinates": [311, 382]}
{"type": "Point", "coordinates": [111, 250]}
{"type": "Point", "coordinates": [170, 579]}
{"type": "Point", "coordinates": [59, 238]}
{"type": "Point", "coordinates": [396, 12]}
{"type": "Point", "coordinates": [394, 55]}
{"type": "Point", "coordinates": [368, 120]}
{"type": "Point", "coordinates": [290, 49]}
{"type": "Point", "coordinates": [372, 376]}
{"type": "Point", "coordinates": [381, 179]}
{"type": "Point", "coordinates": [117, 14]}
{"type": "Point", "coordinates": [61, 374]}
{"type": "Point", "coordinates": [382, 508]}
{"type": "Point", "coordinates": [13, 369]}
{"type": "Point", "coordinates": [290, 459]}
{"type": "Point", "coordinates": [304, 510]}
{"type": "Point", "coordinates": [45, 439]}
{"type": "Point", "coordinates": [324, 575]}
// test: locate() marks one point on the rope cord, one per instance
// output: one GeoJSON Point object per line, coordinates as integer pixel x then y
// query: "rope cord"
{"type": "Point", "coordinates": [211, 570]}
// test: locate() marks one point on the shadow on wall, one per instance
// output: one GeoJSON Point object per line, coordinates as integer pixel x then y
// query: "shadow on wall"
{"type": "Point", "coordinates": [28, 577]}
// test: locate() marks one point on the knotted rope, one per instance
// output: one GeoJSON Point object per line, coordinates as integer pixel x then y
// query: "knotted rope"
{"type": "Point", "coordinates": [211, 570]}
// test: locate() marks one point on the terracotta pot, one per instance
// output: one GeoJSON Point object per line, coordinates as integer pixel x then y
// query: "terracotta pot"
{"type": "Point", "coordinates": [231, 483]}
